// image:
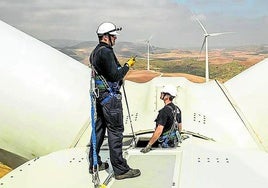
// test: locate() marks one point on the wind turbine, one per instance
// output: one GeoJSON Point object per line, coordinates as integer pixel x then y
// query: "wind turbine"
{"type": "Point", "coordinates": [148, 51]}
{"type": "Point", "coordinates": [205, 41]}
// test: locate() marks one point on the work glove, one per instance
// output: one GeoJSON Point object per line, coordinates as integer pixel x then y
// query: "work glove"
{"type": "Point", "coordinates": [146, 149]}
{"type": "Point", "coordinates": [130, 62]}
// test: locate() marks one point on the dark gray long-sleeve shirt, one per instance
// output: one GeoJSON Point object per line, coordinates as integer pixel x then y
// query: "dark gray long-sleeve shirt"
{"type": "Point", "coordinates": [106, 63]}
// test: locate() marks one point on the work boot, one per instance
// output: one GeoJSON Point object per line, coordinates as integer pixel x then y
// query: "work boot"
{"type": "Point", "coordinates": [132, 173]}
{"type": "Point", "coordinates": [103, 166]}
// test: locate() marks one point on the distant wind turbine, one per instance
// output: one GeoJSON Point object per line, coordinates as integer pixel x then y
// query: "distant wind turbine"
{"type": "Point", "coordinates": [206, 35]}
{"type": "Point", "coordinates": [148, 51]}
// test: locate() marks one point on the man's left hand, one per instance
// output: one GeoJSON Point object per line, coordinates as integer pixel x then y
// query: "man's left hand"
{"type": "Point", "coordinates": [146, 149]}
{"type": "Point", "coordinates": [131, 62]}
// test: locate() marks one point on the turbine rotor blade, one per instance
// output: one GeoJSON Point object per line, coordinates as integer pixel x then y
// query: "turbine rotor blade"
{"type": "Point", "coordinates": [202, 26]}
{"type": "Point", "coordinates": [203, 44]}
{"type": "Point", "coordinates": [150, 38]}
{"type": "Point", "coordinates": [217, 34]}
{"type": "Point", "coordinates": [151, 47]}
{"type": "Point", "coordinates": [204, 41]}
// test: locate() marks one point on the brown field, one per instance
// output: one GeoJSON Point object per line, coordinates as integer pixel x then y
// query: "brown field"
{"type": "Point", "coordinates": [141, 76]}
{"type": "Point", "coordinates": [218, 56]}
{"type": "Point", "coordinates": [4, 170]}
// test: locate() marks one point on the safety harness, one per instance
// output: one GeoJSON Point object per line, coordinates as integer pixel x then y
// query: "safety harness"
{"type": "Point", "coordinates": [99, 84]}
{"type": "Point", "coordinates": [173, 133]}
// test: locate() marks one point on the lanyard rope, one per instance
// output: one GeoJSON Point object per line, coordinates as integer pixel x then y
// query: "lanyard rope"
{"type": "Point", "coordinates": [93, 132]}
{"type": "Point", "coordinates": [95, 175]}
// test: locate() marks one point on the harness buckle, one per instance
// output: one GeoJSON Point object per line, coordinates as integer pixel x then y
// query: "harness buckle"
{"type": "Point", "coordinates": [178, 136]}
{"type": "Point", "coordinates": [118, 96]}
{"type": "Point", "coordinates": [96, 92]}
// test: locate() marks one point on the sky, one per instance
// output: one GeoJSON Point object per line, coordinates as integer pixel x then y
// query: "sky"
{"type": "Point", "coordinates": [169, 23]}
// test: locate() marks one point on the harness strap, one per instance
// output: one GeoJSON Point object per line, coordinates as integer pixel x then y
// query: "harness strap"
{"type": "Point", "coordinates": [100, 81]}
{"type": "Point", "coordinates": [174, 119]}
{"type": "Point", "coordinates": [96, 74]}
{"type": "Point", "coordinates": [176, 128]}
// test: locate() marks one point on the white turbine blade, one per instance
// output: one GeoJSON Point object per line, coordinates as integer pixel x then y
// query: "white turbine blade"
{"type": "Point", "coordinates": [150, 38]}
{"type": "Point", "coordinates": [204, 41]}
{"type": "Point", "coordinates": [151, 47]}
{"type": "Point", "coordinates": [202, 26]}
{"type": "Point", "coordinates": [140, 40]}
{"type": "Point", "coordinates": [217, 34]}
{"type": "Point", "coordinates": [146, 40]}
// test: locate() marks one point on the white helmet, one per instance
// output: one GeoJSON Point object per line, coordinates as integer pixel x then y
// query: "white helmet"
{"type": "Point", "coordinates": [170, 90]}
{"type": "Point", "coordinates": [107, 28]}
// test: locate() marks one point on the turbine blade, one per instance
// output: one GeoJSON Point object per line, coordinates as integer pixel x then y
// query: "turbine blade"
{"type": "Point", "coordinates": [202, 26]}
{"type": "Point", "coordinates": [217, 34]}
{"type": "Point", "coordinates": [150, 38]}
{"type": "Point", "coordinates": [151, 47]}
{"type": "Point", "coordinates": [204, 41]}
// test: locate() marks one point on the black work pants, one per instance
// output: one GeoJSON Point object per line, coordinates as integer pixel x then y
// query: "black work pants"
{"type": "Point", "coordinates": [110, 116]}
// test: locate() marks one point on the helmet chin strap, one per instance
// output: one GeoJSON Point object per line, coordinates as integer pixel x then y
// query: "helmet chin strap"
{"type": "Point", "coordinates": [110, 40]}
{"type": "Point", "coordinates": [107, 39]}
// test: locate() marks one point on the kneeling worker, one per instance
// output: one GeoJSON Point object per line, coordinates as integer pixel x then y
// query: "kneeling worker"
{"type": "Point", "coordinates": [168, 122]}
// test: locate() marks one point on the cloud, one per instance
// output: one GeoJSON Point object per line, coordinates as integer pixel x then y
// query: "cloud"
{"type": "Point", "coordinates": [169, 21]}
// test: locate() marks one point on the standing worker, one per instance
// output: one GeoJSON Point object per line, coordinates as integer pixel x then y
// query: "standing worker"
{"type": "Point", "coordinates": [108, 75]}
{"type": "Point", "coordinates": [168, 122]}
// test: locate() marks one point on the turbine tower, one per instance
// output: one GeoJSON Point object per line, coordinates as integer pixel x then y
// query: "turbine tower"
{"type": "Point", "coordinates": [148, 51]}
{"type": "Point", "coordinates": [205, 41]}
